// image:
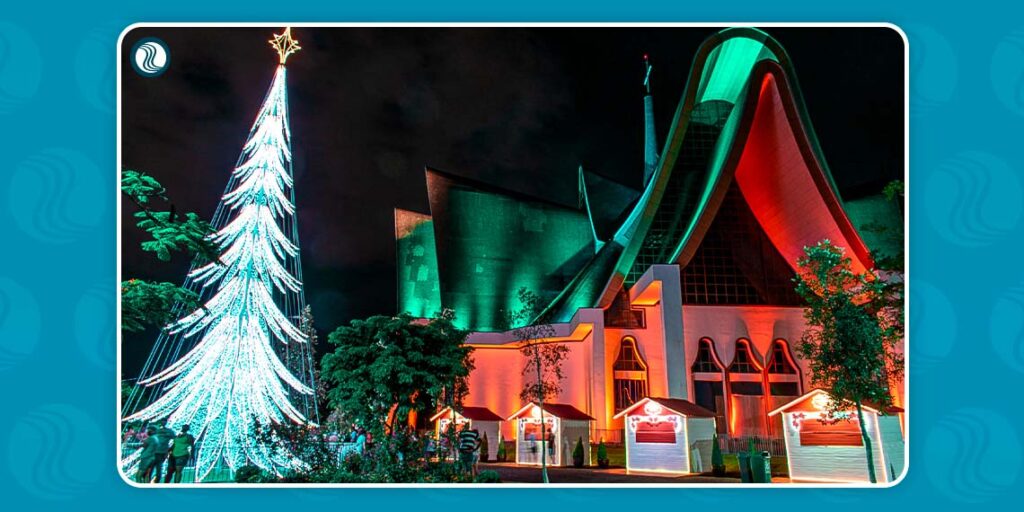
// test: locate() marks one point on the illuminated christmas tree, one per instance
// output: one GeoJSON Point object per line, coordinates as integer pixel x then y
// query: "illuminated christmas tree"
{"type": "Point", "coordinates": [232, 375]}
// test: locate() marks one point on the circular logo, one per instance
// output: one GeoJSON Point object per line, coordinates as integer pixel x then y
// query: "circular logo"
{"type": "Point", "coordinates": [652, 408]}
{"type": "Point", "coordinates": [150, 57]}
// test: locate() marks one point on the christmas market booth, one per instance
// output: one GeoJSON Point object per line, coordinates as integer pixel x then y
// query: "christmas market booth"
{"type": "Point", "coordinates": [485, 421]}
{"type": "Point", "coordinates": [564, 426]}
{"type": "Point", "coordinates": [668, 435]}
{"type": "Point", "coordinates": [824, 447]}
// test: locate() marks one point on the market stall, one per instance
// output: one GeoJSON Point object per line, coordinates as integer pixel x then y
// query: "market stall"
{"type": "Point", "coordinates": [668, 435]}
{"type": "Point", "coordinates": [825, 447]}
{"type": "Point", "coordinates": [485, 421]}
{"type": "Point", "coordinates": [564, 426]}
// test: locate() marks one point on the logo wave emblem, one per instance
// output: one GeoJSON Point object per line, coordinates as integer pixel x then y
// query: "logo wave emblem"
{"type": "Point", "coordinates": [150, 57]}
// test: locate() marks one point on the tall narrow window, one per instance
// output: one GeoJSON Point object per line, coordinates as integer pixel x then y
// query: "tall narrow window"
{"type": "Point", "coordinates": [708, 389]}
{"type": "Point", "coordinates": [630, 373]}
{"type": "Point", "coordinates": [780, 361]}
{"type": "Point", "coordinates": [707, 361]}
{"type": "Point", "coordinates": [743, 361]}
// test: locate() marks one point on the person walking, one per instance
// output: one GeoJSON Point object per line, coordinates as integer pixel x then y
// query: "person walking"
{"type": "Point", "coordinates": [181, 452]}
{"type": "Point", "coordinates": [147, 457]}
{"type": "Point", "coordinates": [469, 442]}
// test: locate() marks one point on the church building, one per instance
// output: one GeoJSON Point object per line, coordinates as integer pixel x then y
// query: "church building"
{"type": "Point", "coordinates": [685, 290]}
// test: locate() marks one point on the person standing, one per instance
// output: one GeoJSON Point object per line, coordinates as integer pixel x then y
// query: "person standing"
{"type": "Point", "coordinates": [361, 441]}
{"type": "Point", "coordinates": [161, 446]}
{"type": "Point", "coordinates": [551, 445]}
{"type": "Point", "coordinates": [469, 441]}
{"type": "Point", "coordinates": [147, 457]}
{"type": "Point", "coordinates": [181, 452]}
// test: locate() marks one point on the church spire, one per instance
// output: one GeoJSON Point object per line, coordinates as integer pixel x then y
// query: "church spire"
{"type": "Point", "coordinates": [650, 137]}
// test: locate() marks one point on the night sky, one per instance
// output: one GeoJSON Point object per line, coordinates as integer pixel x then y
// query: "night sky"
{"type": "Point", "coordinates": [520, 108]}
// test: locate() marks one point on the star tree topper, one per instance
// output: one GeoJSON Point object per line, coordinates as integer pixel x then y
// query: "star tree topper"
{"type": "Point", "coordinates": [284, 44]}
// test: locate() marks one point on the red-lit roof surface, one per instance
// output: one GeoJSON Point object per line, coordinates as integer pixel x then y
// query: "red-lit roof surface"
{"type": "Point", "coordinates": [564, 411]}
{"type": "Point", "coordinates": [471, 413]}
{"type": "Point", "coordinates": [677, 405]}
{"type": "Point", "coordinates": [803, 404]}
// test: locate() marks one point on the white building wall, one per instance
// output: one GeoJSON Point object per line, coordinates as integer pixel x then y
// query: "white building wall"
{"type": "Point", "coordinates": [573, 430]}
{"type": "Point", "coordinates": [490, 428]}
{"type": "Point", "coordinates": [700, 436]}
{"type": "Point", "coordinates": [893, 445]}
{"type": "Point", "coordinates": [725, 324]}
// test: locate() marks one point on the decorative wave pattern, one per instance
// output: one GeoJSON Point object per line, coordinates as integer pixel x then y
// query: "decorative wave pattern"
{"type": "Point", "coordinates": [972, 455]}
{"type": "Point", "coordinates": [974, 199]}
{"type": "Point", "coordinates": [95, 71]}
{"type": "Point", "coordinates": [94, 327]}
{"type": "Point", "coordinates": [933, 69]}
{"type": "Point", "coordinates": [20, 67]}
{"type": "Point", "coordinates": [52, 452]}
{"type": "Point", "coordinates": [53, 196]}
{"type": "Point", "coordinates": [1006, 328]}
{"type": "Point", "coordinates": [933, 320]}
{"type": "Point", "coordinates": [1008, 71]}
{"type": "Point", "coordinates": [19, 323]}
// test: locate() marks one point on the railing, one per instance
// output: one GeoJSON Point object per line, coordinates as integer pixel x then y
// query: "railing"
{"type": "Point", "coordinates": [775, 446]}
{"type": "Point", "coordinates": [610, 436]}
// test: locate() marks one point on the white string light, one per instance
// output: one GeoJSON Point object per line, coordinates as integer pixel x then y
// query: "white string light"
{"type": "Point", "coordinates": [232, 377]}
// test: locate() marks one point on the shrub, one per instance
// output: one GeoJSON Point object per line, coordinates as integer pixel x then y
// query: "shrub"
{"type": "Point", "coordinates": [502, 453]}
{"type": "Point", "coordinates": [248, 474]}
{"type": "Point", "coordinates": [488, 477]}
{"type": "Point", "coordinates": [484, 448]}
{"type": "Point", "coordinates": [577, 453]}
{"type": "Point", "coordinates": [717, 462]}
{"type": "Point", "coordinates": [602, 454]}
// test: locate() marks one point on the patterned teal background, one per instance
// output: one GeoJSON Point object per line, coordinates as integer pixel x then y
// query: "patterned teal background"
{"type": "Point", "coordinates": [57, 266]}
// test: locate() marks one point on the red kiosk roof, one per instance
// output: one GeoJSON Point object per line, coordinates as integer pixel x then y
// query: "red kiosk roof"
{"type": "Point", "coordinates": [676, 405]}
{"type": "Point", "coordinates": [471, 413]}
{"type": "Point", "coordinates": [564, 411]}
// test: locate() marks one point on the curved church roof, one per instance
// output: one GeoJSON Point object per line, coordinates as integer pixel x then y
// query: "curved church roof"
{"type": "Point", "coordinates": [741, 123]}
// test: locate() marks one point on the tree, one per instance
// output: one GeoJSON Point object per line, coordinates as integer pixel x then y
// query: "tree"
{"type": "Point", "coordinates": [384, 367]}
{"type": "Point", "coordinates": [153, 304]}
{"type": "Point", "coordinates": [231, 379]}
{"type": "Point", "coordinates": [854, 336]}
{"type": "Point", "coordinates": [543, 367]}
{"type": "Point", "coordinates": [299, 362]}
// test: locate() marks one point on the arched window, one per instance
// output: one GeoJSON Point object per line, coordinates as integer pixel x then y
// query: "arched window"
{"type": "Point", "coordinates": [630, 373]}
{"type": "Point", "coordinates": [708, 385]}
{"type": "Point", "coordinates": [780, 361]}
{"type": "Point", "coordinates": [744, 361]}
{"type": "Point", "coordinates": [707, 361]}
{"type": "Point", "coordinates": [782, 374]}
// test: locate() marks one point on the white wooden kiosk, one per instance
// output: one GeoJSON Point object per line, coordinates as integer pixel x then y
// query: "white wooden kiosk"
{"type": "Point", "coordinates": [834, 451]}
{"type": "Point", "coordinates": [668, 435]}
{"type": "Point", "coordinates": [482, 419]}
{"type": "Point", "coordinates": [565, 425]}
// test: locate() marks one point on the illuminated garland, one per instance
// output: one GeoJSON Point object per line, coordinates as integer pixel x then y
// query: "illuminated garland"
{"type": "Point", "coordinates": [232, 378]}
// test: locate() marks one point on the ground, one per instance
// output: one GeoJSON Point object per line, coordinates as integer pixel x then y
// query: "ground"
{"type": "Point", "coordinates": [511, 473]}
{"type": "Point", "coordinates": [616, 472]}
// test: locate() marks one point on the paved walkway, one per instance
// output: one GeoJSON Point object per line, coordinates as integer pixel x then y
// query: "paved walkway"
{"type": "Point", "coordinates": [513, 473]}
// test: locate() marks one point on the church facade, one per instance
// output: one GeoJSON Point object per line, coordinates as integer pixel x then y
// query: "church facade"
{"type": "Point", "coordinates": [682, 289]}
